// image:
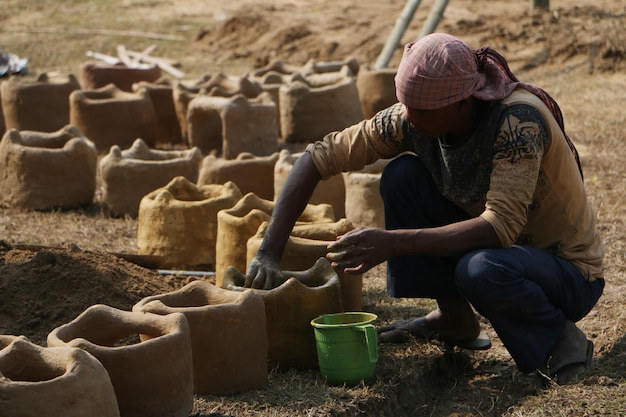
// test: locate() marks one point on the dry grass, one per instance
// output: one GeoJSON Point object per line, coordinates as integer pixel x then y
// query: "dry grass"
{"type": "Point", "coordinates": [436, 381]}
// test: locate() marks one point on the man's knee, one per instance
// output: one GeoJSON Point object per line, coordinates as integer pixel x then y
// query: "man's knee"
{"type": "Point", "coordinates": [480, 270]}
{"type": "Point", "coordinates": [399, 169]}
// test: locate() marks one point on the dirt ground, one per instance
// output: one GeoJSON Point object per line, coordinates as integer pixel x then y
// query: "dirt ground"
{"type": "Point", "coordinates": [41, 289]}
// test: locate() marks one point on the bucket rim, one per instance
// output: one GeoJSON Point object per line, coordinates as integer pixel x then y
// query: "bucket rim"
{"type": "Point", "coordinates": [317, 324]}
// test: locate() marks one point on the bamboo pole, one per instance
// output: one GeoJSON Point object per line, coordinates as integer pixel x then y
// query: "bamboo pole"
{"type": "Point", "coordinates": [434, 17]}
{"type": "Point", "coordinates": [394, 38]}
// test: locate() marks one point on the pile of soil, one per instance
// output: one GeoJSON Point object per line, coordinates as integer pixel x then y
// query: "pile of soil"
{"type": "Point", "coordinates": [43, 289]}
{"type": "Point", "coordinates": [591, 36]}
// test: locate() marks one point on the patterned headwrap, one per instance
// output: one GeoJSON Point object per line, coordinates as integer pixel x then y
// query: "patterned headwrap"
{"type": "Point", "coordinates": [439, 70]}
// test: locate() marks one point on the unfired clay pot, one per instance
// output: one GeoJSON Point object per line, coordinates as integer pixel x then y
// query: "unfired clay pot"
{"type": "Point", "coordinates": [309, 242]}
{"type": "Point", "coordinates": [251, 173]}
{"type": "Point", "coordinates": [271, 77]}
{"type": "Point", "coordinates": [331, 191]}
{"type": "Point", "coordinates": [314, 66]}
{"type": "Point", "coordinates": [377, 89]}
{"type": "Point", "coordinates": [182, 94]}
{"type": "Point", "coordinates": [308, 111]}
{"type": "Point", "coordinates": [228, 336]}
{"type": "Point", "coordinates": [55, 382]}
{"type": "Point", "coordinates": [289, 309]}
{"type": "Point", "coordinates": [364, 205]}
{"type": "Point", "coordinates": [179, 222]}
{"type": "Point", "coordinates": [129, 175]}
{"type": "Point", "coordinates": [231, 125]}
{"type": "Point", "coordinates": [41, 171]}
{"type": "Point", "coordinates": [152, 377]}
{"type": "Point", "coordinates": [109, 116]}
{"type": "Point", "coordinates": [160, 93]}
{"type": "Point", "coordinates": [41, 105]}
{"type": "Point", "coordinates": [95, 75]}
{"type": "Point", "coordinates": [239, 223]}
{"type": "Point", "coordinates": [225, 85]}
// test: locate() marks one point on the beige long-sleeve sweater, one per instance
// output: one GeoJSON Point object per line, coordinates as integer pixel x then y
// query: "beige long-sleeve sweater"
{"type": "Point", "coordinates": [516, 171]}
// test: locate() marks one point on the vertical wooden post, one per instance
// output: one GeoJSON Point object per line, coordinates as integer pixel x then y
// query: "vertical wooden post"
{"type": "Point", "coordinates": [435, 15]}
{"type": "Point", "coordinates": [392, 42]}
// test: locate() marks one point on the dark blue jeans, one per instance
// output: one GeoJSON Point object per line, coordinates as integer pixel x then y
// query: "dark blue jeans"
{"type": "Point", "coordinates": [526, 294]}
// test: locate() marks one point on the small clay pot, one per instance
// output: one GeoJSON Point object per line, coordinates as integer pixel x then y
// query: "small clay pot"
{"type": "Point", "coordinates": [309, 242]}
{"type": "Point", "coordinates": [152, 377]}
{"type": "Point", "coordinates": [228, 336]}
{"type": "Point", "coordinates": [55, 382]}
{"type": "Point", "coordinates": [241, 222]}
{"type": "Point", "coordinates": [289, 309]}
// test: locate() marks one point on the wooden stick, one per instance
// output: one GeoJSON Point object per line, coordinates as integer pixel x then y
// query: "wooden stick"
{"type": "Point", "coordinates": [106, 58]}
{"type": "Point", "coordinates": [161, 64]}
{"type": "Point", "coordinates": [139, 57]}
{"type": "Point", "coordinates": [124, 57]}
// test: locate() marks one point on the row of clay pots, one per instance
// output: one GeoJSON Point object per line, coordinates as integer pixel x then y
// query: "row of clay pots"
{"type": "Point", "coordinates": [151, 360]}
{"type": "Point", "coordinates": [115, 104]}
{"type": "Point", "coordinates": [188, 226]}
{"type": "Point", "coordinates": [60, 170]}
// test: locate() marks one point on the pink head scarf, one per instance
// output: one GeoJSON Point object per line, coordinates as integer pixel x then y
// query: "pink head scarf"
{"type": "Point", "coordinates": [439, 69]}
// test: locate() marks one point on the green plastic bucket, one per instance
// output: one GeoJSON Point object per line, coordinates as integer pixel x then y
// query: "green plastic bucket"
{"type": "Point", "coordinates": [347, 347]}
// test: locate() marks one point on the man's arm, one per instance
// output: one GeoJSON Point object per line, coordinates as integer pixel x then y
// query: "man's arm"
{"type": "Point", "coordinates": [264, 269]}
{"type": "Point", "coordinates": [361, 249]}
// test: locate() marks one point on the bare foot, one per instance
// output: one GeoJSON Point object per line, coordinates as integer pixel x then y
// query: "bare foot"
{"type": "Point", "coordinates": [454, 319]}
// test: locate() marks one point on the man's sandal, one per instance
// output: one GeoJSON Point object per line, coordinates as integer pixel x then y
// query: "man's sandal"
{"type": "Point", "coordinates": [403, 330]}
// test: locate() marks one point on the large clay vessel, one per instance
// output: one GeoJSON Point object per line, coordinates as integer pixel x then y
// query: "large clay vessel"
{"type": "Point", "coordinates": [228, 335]}
{"type": "Point", "coordinates": [309, 112]}
{"type": "Point", "coordinates": [271, 77]}
{"type": "Point", "coordinates": [152, 376]}
{"type": "Point", "coordinates": [314, 66]}
{"type": "Point", "coordinates": [182, 94]}
{"type": "Point", "coordinates": [331, 191]}
{"type": "Point", "coordinates": [225, 85]}
{"type": "Point", "coordinates": [128, 175]}
{"type": "Point", "coordinates": [377, 89]}
{"type": "Point", "coordinates": [109, 116]}
{"type": "Point", "coordinates": [37, 381]}
{"type": "Point", "coordinates": [273, 69]}
{"type": "Point", "coordinates": [178, 222]}
{"type": "Point", "coordinates": [168, 128]}
{"type": "Point", "coordinates": [241, 222]}
{"type": "Point", "coordinates": [304, 294]}
{"type": "Point", "coordinates": [204, 126]}
{"type": "Point", "coordinates": [41, 105]}
{"type": "Point", "coordinates": [309, 242]}
{"type": "Point", "coordinates": [249, 125]}
{"type": "Point", "coordinates": [42, 171]}
{"type": "Point", "coordinates": [231, 125]}
{"type": "Point", "coordinates": [316, 79]}
{"type": "Point", "coordinates": [94, 75]}
{"type": "Point", "coordinates": [364, 205]}
{"type": "Point", "coordinates": [251, 173]}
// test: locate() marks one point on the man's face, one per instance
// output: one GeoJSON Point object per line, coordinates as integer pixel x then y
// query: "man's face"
{"type": "Point", "coordinates": [434, 123]}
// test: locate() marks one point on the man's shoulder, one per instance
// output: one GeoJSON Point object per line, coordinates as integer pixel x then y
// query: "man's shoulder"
{"type": "Point", "coordinates": [388, 123]}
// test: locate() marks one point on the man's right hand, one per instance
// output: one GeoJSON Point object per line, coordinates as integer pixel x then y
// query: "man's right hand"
{"type": "Point", "coordinates": [264, 273]}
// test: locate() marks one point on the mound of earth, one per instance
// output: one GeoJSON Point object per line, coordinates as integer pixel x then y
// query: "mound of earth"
{"type": "Point", "coordinates": [43, 289]}
{"type": "Point", "coordinates": [590, 37]}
